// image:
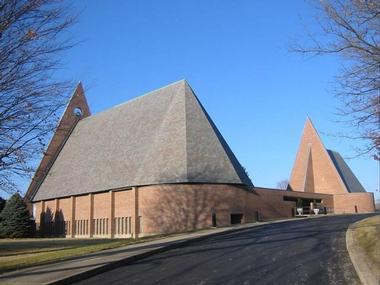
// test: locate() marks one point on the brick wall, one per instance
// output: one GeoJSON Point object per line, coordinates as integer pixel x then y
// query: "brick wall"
{"type": "Point", "coordinates": [173, 208]}
{"type": "Point", "coordinates": [313, 170]}
{"type": "Point", "coordinates": [50, 209]}
{"type": "Point", "coordinates": [82, 210]}
{"type": "Point", "coordinates": [65, 208]}
{"type": "Point", "coordinates": [177, 208]}
{"type": "Point", "coordinates": [354, 202]}
{"type": "Point", "coordinates": [183, 207]}
{"type": "Point", "coordinates": [124, 203]}
{"type": "Point", "coordinates": [101, 205]}
{"type": "Point", "coordinates": [37, 211]}
{"type": "Point", "coordinates": [277, 207]}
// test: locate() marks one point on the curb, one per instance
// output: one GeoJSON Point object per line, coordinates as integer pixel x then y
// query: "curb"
{"type": "Point", "coordinates": [366, 276]}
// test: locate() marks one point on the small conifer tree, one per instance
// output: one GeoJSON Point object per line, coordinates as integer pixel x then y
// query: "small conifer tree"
{"type": "Point", "coordinates": [2, 204]}
{"type": "Point", "coordinates": [15, 218]}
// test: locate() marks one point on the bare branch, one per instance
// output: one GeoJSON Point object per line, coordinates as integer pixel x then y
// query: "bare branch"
{"type": "Point", "coordinates": [32, 35]}
{"type": "Point", "coordinates": [351, 28]}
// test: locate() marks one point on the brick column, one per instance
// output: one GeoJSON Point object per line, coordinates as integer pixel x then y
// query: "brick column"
{"type": "Point", "coordinates": [91, 215]}
{"type": "Point", "coordinates": [373, 201]}
{"type": "Point", "coordinates": [136, 219]}
{"type": "Point", "coordinates": [72, 222]}
{"type": "Point", "coordinates": [42, 218]}
{"type": "Point", "coordinates": [56, 223]}
{"type": "Point", "coordinates": [42, 210]}
{"type": "Point", "coordinates": [56, 201]}
{"type": "Point", "coordinates": [56, 208]}
{"type": "Point", "coordinates": [111, 223]}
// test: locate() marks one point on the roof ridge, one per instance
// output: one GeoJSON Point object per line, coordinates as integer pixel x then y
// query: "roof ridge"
{"type": "Point", "coordinates": [186, 145]}
{"type": "Point", "coordinates": [232, 159]}
{"type": "Point", "coordinates": [157, 133]}
{"type": "Point", "coordinates": [139, 97]}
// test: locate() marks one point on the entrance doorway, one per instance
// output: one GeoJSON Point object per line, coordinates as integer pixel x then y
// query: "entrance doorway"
{"type": "Point", "coordinates": [213, 218]}
{"type": "Point", "coordinates": [236, 219]}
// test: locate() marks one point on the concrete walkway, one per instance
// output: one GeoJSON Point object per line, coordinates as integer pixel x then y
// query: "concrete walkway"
{"type": "Point", "coordinates": [78, 268]}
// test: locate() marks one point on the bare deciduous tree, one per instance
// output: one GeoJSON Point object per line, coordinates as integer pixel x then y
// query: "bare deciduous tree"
{"type": "Point", "coordinates": [351, 29]}
{"type": "Point", "coordinates": [32, 35]}
{"type": "Point", "coordinates": [283, 184]}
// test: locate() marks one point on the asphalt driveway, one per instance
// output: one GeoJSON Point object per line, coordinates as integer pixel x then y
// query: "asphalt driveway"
{"type": "Point", "coordinates": [311, 251]}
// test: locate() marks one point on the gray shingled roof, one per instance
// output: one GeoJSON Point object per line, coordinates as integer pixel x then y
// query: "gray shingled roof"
{"type": "Point", "coordinates": [164, 136]}
{"type": "Point", "coordinates": [349, 179]}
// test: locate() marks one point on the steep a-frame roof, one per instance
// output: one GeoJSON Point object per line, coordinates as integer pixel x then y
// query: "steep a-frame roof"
{"type": "Point", "coordinates": [165, 136]}
{"type": "Point", "coordinates": [319, 170]}
{"type": "Point", "coordinates": [352, 183]}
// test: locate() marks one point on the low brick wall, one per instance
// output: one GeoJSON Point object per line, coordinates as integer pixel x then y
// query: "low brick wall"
{"type": "Point", "coordinates": [354, 203]}
{"type": "Point", "coordinates": [148, 210]}
{"type": "Point", "coordinates": [178, 208]}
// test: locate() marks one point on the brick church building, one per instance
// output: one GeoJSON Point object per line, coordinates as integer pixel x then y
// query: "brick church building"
{"type": "Point", "coordinates": [158, 164]}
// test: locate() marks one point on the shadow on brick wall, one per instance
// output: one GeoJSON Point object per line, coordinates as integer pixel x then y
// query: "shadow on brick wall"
{"type": "Point", "coordinates": [51, 224]}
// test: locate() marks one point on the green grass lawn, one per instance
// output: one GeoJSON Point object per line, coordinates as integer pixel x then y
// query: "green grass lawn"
{"type": "Point", "coordinates": [21, 253]}
{"type": "Point", "coordinates": [367, 237]}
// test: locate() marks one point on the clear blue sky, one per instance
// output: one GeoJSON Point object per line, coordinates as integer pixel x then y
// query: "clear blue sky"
{"type": "Point", "coordinates": [235, 56]}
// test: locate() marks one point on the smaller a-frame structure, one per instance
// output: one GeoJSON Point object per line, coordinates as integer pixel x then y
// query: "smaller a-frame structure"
{"type": "Point", "coordinates": [319, 170]}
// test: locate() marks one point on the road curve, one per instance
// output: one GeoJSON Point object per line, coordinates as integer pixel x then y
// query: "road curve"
{"type": "Point", "coordinates": [311, 251]}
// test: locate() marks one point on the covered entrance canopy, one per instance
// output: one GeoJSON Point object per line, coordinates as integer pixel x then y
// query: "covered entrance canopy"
{"type": "Point", "coordinates": [308, 204]}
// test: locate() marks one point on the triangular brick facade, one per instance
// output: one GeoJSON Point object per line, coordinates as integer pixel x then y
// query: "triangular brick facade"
{"type": "Point", "coordinates": [76, 109]}
{"type": "Point", "coordinates": [313, 170]}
